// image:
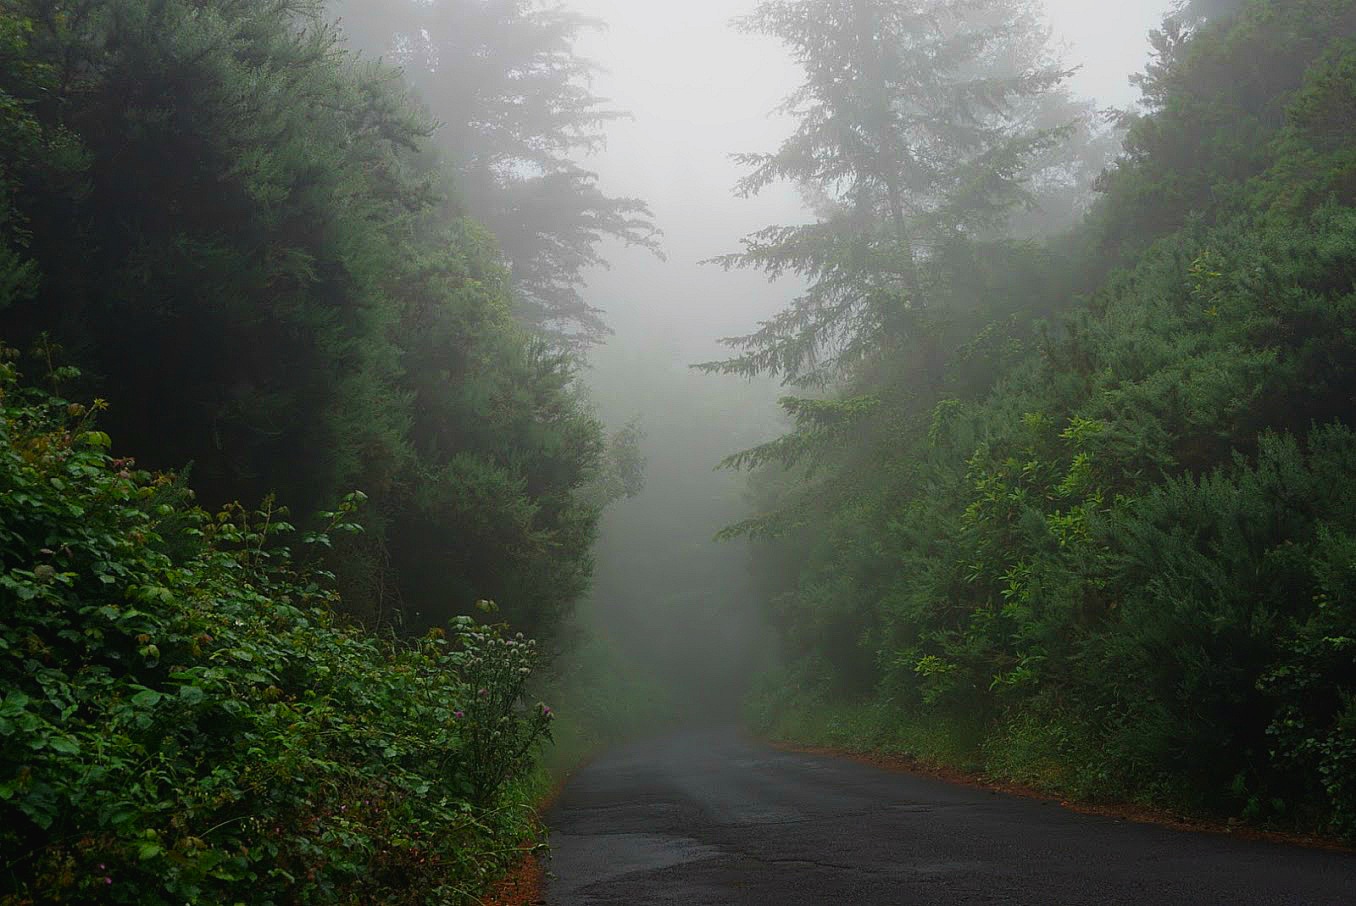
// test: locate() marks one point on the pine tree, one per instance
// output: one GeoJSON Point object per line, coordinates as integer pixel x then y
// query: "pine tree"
{"type": "Point", "coordinates": [1198, 11]}
{"type": "Point", "coordinates": [513, 99]}
{"type": "Point", "coordinates": [909, 137]}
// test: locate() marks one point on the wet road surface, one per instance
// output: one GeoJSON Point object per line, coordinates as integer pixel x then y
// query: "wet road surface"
{"type": "Point", "coordinates": [705, 817]}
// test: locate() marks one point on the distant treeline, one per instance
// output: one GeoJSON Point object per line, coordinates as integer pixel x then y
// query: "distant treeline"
{"type": "Point", "coordinates": [1079, 510]}
{"type": "Point", "coordinates": [244, 236]}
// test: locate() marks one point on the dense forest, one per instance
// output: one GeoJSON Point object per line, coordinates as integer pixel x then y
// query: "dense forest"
{"type": "Point", "coordinates": [302, 483]}
{"type": "Point", "coordinates": [1073, 510]}
{"type": "Point", "coordinates": [248, 253]}
{"type": "Point", "coordinates": [241, 234]}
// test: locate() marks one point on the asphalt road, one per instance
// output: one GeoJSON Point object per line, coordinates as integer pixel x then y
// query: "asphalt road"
{"type": "Point", "coordinates": [705, 817]}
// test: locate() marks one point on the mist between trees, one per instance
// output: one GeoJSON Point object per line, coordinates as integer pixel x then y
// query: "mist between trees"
{"type": "Point", "coordinates": [1061, 491]}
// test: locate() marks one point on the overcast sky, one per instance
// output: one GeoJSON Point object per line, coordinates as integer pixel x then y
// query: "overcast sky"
{"type": "Point", "coordinates": [700, 91]}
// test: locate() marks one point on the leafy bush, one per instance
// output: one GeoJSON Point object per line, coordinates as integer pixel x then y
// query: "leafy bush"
{"type": "Point", "coordinates": [185, 720]}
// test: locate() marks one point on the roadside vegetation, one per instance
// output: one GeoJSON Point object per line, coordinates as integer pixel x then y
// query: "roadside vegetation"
{"type": "Point", "coordinates": [1075, 511]}
{"type": "Point", "coordinates": [253, 243]}
{"type": "Point", "coordinates": [186, 718]}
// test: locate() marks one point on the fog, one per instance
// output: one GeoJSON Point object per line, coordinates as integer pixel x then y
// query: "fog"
{"type": "Point", "coordinates": [411, 410]}
{"type": "Point", "coordinates": [670, 598]}
{"type": "Point", "coordinates": [668, 602]}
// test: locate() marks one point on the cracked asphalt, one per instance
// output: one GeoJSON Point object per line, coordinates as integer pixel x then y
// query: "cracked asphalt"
{"type": "Point", "coordinates": [706, 817]}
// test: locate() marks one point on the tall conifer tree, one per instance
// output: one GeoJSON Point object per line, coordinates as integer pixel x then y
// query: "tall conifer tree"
{"type": "Point", "coordinates": [909, 136]}
{"type": "Point", "coordinates": [513, 98]}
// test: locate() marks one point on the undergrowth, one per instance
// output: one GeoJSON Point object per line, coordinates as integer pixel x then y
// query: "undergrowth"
{"type": "Point", "coordinates": [186, 720]}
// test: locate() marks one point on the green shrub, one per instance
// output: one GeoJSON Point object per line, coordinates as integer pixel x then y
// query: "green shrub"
{"type": "Point", "coordinates": [184, 719]}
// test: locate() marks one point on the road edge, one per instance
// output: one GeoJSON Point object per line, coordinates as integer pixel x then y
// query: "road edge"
{"type": "Point", "coordinates": [1138, 814]}
{"type": "Point", "coordinates": [525, 885]}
